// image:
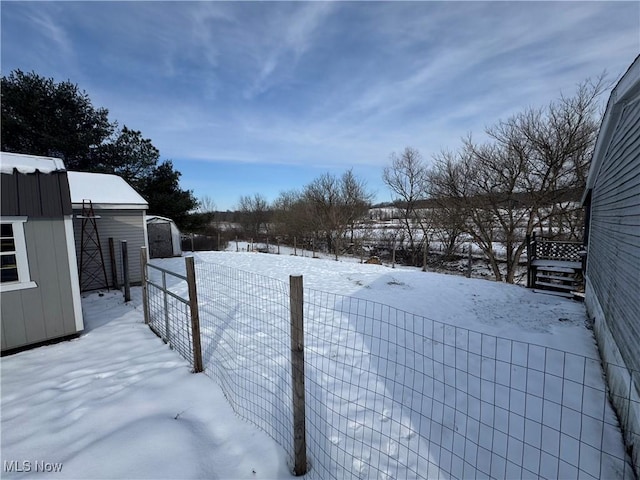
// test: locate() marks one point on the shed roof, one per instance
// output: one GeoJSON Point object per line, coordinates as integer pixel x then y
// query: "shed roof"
{"type": "Point", "coordinates": [105, 191]}
{"type": "Point", "coordinates": [9, 162]}
{"type": "Point", "coordinates": [158, 218]}
{"type": "Point", "coordinates": [33, 186]}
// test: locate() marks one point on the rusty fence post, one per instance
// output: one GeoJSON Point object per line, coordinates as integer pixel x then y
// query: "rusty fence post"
{"type": "Point", "coordinates": [297, 374]}
{"type": "Point", "coordinates": [125, 271]}
{"type": "Point", "coordinates": [195, 316]}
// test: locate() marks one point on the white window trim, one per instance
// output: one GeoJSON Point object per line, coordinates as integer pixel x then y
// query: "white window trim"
{"type": "Point", "coordinates": [24, 278]}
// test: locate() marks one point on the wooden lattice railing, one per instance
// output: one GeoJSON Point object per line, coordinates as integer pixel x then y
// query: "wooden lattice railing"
{"type": "Point", "coordinates": [552, 250]}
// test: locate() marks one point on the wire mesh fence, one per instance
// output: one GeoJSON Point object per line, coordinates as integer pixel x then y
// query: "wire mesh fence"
{"type": "Point", "coordinates": [394, 395]}
{"type": "Point", "coordinates": [169, 315]}
{"type": "Point", "coordinates": [244, 324]}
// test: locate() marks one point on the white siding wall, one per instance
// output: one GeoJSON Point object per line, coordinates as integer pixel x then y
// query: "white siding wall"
{"type": "Point", "coordinates": [129, 225]}
{"type": "Point", "coordinates": [613, 269]}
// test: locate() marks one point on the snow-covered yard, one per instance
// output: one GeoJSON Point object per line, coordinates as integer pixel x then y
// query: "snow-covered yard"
{"type": "Point", "coordinates": [118, 403]}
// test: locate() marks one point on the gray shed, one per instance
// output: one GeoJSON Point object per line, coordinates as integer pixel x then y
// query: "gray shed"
{"type": "Point", "coordinates": [164, 237]}
{"type": "Point", "coordinates": [119, 213]}
{"type": "Point", "coordinates": [612, 279]}
{"type": "Point", "coordinates": [40, 289]}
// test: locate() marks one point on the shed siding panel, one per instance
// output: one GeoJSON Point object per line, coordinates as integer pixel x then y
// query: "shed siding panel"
{"type": "Point", "coordinates": [614, 260]}
{"type": "Point", "coordinates": [50, 194]}
{"type": "Point", "coordinates": [36, 194]}
{"type": "Point", "coordinates": [3, 339]}
{"type": "Point", "coordinates": [29, 195]}
{"type": "Point", "coordinates": [14, 333]}
{"type": "Point", "coordinates": [9, 198]}
{"type": "Point", "coordinates": [46, 312]}
{"type": "Point", "coordinates": [120, 225]}
{"type": "Point", "coordinates": [51, 262]}
{"type": "Point", "coordinates": [65, 194]}
{"type": "Point", "coordinates": [34, 314]}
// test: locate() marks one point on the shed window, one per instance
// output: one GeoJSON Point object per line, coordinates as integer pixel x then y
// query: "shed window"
{"type": "Point", "coordinates": [14, 266]}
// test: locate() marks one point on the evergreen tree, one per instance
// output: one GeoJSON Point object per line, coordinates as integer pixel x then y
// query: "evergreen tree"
{"type": "Point", "coordinates": [162, 191]}
{"type": "Point", "coordinates": [41, 117]}
{"type": "Point", "coordinates": [129, 155]}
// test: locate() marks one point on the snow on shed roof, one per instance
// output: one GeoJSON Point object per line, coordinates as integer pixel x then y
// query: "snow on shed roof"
{"type": "Point", "coordinates": [158, 218]}
{"type": "Point", "coordinates": [104, 190]}
{"type": "Point", "coordinates": [29, 163]}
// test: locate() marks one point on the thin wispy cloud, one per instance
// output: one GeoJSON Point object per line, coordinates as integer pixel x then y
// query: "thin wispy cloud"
{"type": "Point", "coordinates": [315, 85]}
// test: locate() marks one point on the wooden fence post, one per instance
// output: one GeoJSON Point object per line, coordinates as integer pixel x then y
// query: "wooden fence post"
{"type": "Point", "coordinates": [297, 374]}
{"type": "Point", "coordinates": [143, 270]}
{"type": "Point", "coordinates": [528, 241]}
{"type": "Point", "coordinates": [195, 317]}
{"type": "Point", "coordinates": [470, 261]}
{"type": "Point", "coordinates": [425, 249]}
{"type": "Point", "coordinates": [114, 271]}
{"type": "Point", "coordinates": [125, 271]}
{"type": "Point", "coordinates": [393, 255]}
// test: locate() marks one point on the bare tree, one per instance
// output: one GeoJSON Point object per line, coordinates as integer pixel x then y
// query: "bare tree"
{"type": "Point", "coordinates": [206, 204]}
{"type": "Point", "coordinates": [291, 216]}
{"type": "Point", "coordinates": [335, 204]}
{"type": "Point", "coordinates": [521, 177]}
{"type": "Point", "coordinates": [407, 178]}
{"type": "Point", "coordinates": [255, 214]}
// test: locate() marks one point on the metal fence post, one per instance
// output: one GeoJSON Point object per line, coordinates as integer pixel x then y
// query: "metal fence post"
{"type": "Point", "coordinates": [297, 374]}
{"type": "Point", "coordinates": [143, 270]}
{"type": "Point", "coordinates": [195, 317]}
{"type": "Point", "coordinates": [166, 309]}
{"type": "Point", "coordinates": [125, 271]}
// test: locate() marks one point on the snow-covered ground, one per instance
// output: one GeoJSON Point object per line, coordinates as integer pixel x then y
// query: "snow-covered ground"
{"type": "Point", "coordinates": [118, 403]}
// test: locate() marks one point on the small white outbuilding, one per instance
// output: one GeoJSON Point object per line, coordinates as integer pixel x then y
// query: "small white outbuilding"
{"type": "Point", "coordinates": [119, 212]}
{"type": "Point", "coordinates": [164, 237]}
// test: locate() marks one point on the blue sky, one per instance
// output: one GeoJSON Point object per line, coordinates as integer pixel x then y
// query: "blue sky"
{"type": "Point", "coordinates": [261, 97]}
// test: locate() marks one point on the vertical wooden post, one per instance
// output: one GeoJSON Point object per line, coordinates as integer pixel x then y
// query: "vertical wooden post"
{"type": "Point", "coordinates": [267, 244]}
{"type": "Point", "coordinates": [192, 249]}
{"type": "Point", "coordinates": [278, 246]}
{"type": "Point", "coordinates": [143, 270]}
{"type": "Point", "coordinates": [297, 374]}
{"type": "Point", "coordinates": [125, 271]}
{"type": "Point", "coordinates": [237, 249]}
{"type": "Point", "coordinates": [469, 261]}
{"type": "Point", "coordinates": [527, 239]}
{"type": "Point", "coordinates": [195, 317]}
{"type": "Point", "coordinates": [425, 249]}
{"type": "Point", "coordinates": [393, 255]}
{"type": "Point", "coordinates": [295, 247]}
{"type": "Point", "coordinates": [114, 271]}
